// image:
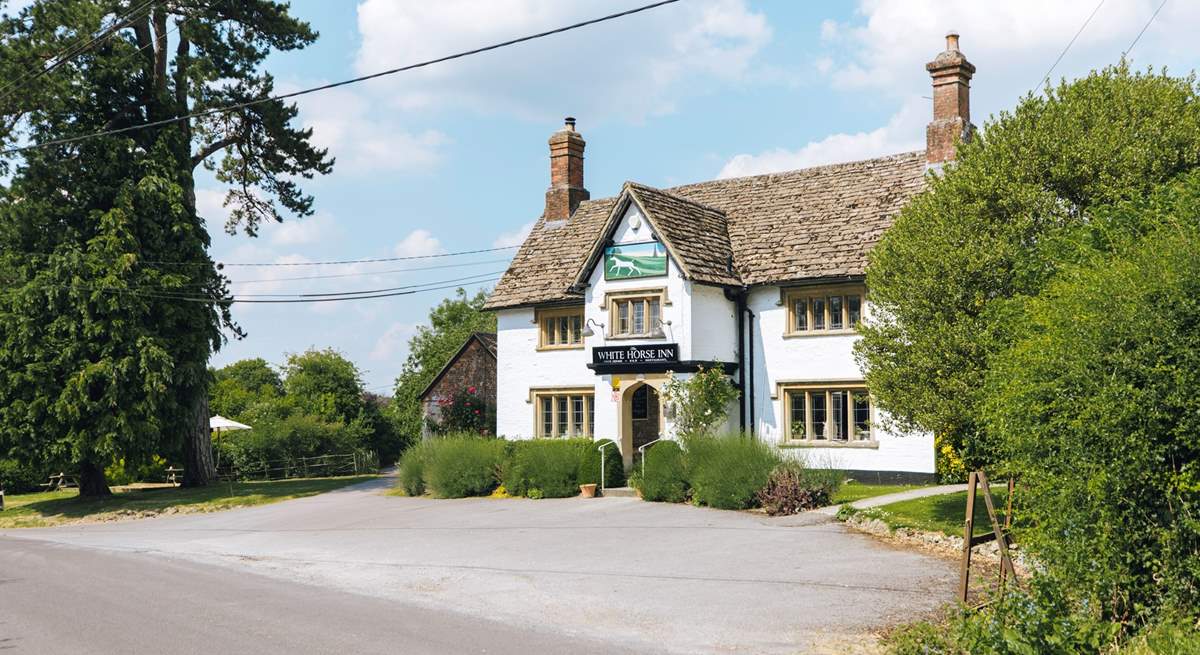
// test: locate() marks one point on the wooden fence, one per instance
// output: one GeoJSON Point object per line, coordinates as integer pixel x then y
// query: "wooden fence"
{"type": "Point", "coordinates": [321, 466]}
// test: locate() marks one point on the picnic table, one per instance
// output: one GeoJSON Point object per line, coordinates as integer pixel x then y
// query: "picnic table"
{"type": "Point", "coordinates": [174, 475]}
{"type": "Point", "coordinates": [60, 481]}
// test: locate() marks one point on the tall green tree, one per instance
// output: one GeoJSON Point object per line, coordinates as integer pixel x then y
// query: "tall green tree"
{"type": "Point", "coordinates": [1095, 403]}
{"type": "Point", "coordinates": [325, 382]}
{"type": "Point", "coordinates": [103, 346]}
{"type": "Point", "coordinates": [450, 323]}
{"type": "Point", "coordinates": [984, 232]}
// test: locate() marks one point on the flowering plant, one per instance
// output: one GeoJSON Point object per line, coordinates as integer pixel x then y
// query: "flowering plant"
{"type": "Point", "coordinates": [465, 411]}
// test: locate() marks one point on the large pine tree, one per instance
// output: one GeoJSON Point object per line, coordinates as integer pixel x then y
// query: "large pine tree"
{"type": "Point", "coordinates": [103, 342]}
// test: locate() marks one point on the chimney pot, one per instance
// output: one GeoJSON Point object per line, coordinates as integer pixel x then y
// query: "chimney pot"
{"type": "Point", "coordinates": [569, 123]}
{"type": "Point", "coordinates": [952, 41]}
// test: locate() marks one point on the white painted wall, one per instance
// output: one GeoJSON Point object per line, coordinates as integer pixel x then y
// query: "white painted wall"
{"type": "Point", "coordinates": [521, 367]}
{"type": "Point", "coordinates": [820, 358]}
{"type": "Point", "coordinates": [704, 325]}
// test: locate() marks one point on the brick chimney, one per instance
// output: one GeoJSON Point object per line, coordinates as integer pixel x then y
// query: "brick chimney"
{"type": "Point", "coordinates": [566, 173]}
{"type": "Point", "coordinates": [951, 73]}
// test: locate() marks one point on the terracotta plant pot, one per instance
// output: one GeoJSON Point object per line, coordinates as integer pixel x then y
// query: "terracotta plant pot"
{"type": "Point", "coordinates": [587, 490]}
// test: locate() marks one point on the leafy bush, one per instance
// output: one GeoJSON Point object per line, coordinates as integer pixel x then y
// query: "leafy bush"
{"type": "Point", "coordinates": [468, 411]}
{"type": "Point", "coordinates": [411, 470]}
{"type": "Point", "coordinates": [665, 474]}
{"type": "Point", "coordinates": [614, 465]}
{"type": "Point", "coordinates": [276, 438]}
{"type": "Point", "coordinates": [463, 465]}
{"type": "Point", "coordinates": [727, 471]}
{"type": "Point", "coordinates": [794, 488]}
{"type": "Point", "coordinates": [16, 478]}
{"type": "Point", "coordinates": [1038, 620]}
{"type": "Point", "coordinates": [701, 402]}
{"type": "Point", "coordinates": [545, 468]}
{"type": "Point", "coordinates": [1096, 406]}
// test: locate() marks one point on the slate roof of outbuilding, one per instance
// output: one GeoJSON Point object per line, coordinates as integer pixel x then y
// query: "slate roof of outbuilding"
{"type": "Point", "coordinates": [812, 223]}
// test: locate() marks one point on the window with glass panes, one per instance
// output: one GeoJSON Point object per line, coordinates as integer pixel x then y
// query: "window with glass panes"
{"type": "Point", "coordinates": [565, 414]}
{"type": "Point", "coordinates": [812, 311]}
{"type": "Point", "coordinates": [561, 328]}
{"type": "Point", "coordinates": [635, 316]}
{"type": "Point", "coordinates": [831, 414]}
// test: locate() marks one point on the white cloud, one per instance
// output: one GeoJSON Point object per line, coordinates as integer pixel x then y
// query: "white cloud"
{"type": "Point", "coordinates": [632, 68]}
{"type": "Point", "coordinates": [392, 345]}
{"type": "Point", "coordinates": [903, 132]}
{"type": "Point", "coordinates": [419, 243]}
{"type": "Point", "coordinates": [514, 238]}
{"type": "Point", "coordinates": [364, 139]}
{"type": "Point", "coordinates": [1011, 43]}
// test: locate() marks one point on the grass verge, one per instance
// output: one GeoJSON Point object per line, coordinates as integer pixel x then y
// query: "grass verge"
{"type": "Point", "coordinates": [40, 510]}
{"type": "Point", "coordinates": [852, 491]}
{"type": "Point", "coordinates": [942, 513]}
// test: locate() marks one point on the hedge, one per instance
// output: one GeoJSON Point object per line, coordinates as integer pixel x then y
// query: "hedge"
{"type": "Point", "coordinates": [664, 474]}
{"type": "Point", "coordinates": [544, 468]}
{"type": "Point", "coordinates": [460, 466]}
{"type": "Point", "coordinates": [614, 465]}
{"type": "Point", "coordinates": [727, 471]}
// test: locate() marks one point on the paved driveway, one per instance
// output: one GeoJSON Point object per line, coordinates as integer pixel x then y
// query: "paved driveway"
{"type": "Point", "coordinates": [646, 576]}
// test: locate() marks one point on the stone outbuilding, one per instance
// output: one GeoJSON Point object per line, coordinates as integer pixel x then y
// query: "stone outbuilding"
{"type": "Point", "coordinates": [472, 367]}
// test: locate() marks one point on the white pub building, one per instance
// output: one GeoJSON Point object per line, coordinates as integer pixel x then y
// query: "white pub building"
{"type": "Point", "coordinates": [762, 276]}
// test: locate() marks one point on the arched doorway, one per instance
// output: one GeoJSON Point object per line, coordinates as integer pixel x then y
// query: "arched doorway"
{"type": "Point", "coordinates": [644, 409]}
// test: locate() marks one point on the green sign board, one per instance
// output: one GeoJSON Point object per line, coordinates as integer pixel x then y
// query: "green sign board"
{"type": "Point", "coordinates": [634, 260]}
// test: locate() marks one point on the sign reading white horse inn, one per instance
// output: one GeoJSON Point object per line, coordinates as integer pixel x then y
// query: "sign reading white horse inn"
{"type": "Point", "coordinates": [634, 260]}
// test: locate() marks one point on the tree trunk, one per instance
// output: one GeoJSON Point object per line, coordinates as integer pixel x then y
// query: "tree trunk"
{"type": "Point", "coordinates": [91, 481]}
{"type": "Point", "coordinates": [198, 469]}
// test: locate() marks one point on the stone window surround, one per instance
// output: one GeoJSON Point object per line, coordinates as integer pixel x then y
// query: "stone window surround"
{"type": "Point", "coordinates": [783, 395]}
{"type": "Point", "coordinates": [536, 394]}
{"type": "Point", "coordinates": [610, 309]}
{"type": "Point", "coordinates": [788, 296]}
{"type": "Point", "coordinates": [542, 315]}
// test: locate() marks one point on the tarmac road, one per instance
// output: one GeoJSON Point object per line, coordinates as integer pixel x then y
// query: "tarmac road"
{"type": "Point", "coordinates": [416, 575]}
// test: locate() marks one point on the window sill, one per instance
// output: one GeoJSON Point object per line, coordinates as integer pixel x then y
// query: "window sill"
{"type": "Point", "coordinates": [631, 337]}
{"type": "Point", "coordinates": [553, 348]}
{"type": "Point", "coordinates": [819, 333]}
{"type": "Point", "coordinates": [873, 445]}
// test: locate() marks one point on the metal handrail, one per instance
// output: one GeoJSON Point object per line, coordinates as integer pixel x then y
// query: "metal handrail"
{"type": "Point", "coordinates": [601, 449]}
{"type": "Point", "coordinates": [642, 452]}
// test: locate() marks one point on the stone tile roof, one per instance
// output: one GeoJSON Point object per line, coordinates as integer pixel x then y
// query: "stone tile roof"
{"type": "Point", "coordinates": [812, 223]}
{"type": "Point", "coordinates": [695, 234]}
{"type": "Point", "coordinates": [486, 339]}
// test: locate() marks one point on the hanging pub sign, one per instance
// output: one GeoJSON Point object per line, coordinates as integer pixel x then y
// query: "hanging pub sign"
{"type": "Point", "coordinates": [664, 353]}
{"type": "Point", "coordinates": [634, 260]}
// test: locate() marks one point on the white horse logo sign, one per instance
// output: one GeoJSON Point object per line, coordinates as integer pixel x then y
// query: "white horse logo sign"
{"type": "Point", "coordinates": [635, 260]}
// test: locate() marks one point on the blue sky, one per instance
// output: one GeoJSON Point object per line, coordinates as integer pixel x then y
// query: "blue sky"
{"type": "Point", "coordinates": [454, 157]}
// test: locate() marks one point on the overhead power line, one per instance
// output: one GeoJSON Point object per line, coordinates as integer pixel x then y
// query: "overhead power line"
{"type": "Point", "coordinates": [368, 273]}
{"type": "Point", "coordinates": [181, 293]}
{"type": "Point", "coordinates": [1144, 28]}
{"type": "Point", "coordinates": [341, 262]}
{"type": "Point", "coordinates": [242, 300]}
{"type": "Point", "coordinates": [73, 51]}
{"type": "Point", "coordinates": [1046, 77]}
{"type": "Point", "coordinates": [333, 85]}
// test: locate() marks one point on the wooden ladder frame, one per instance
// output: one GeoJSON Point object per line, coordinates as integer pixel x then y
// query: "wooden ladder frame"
{"type": "Point", "coordinates": [1002, 536]}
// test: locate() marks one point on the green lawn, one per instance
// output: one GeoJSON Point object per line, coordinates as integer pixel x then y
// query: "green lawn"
{"type": "Point", "coordinates": [852, 491]}
{"type": "Point", "coordinates": [40, 510]}
{"type": "Point", "coordinates": [942, 513]}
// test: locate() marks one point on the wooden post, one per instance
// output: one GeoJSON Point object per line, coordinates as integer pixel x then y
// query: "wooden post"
{"type": "Point", "coordinates": [1001, 537]}
{"type": "Point", "coordinates": [968, 537]}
